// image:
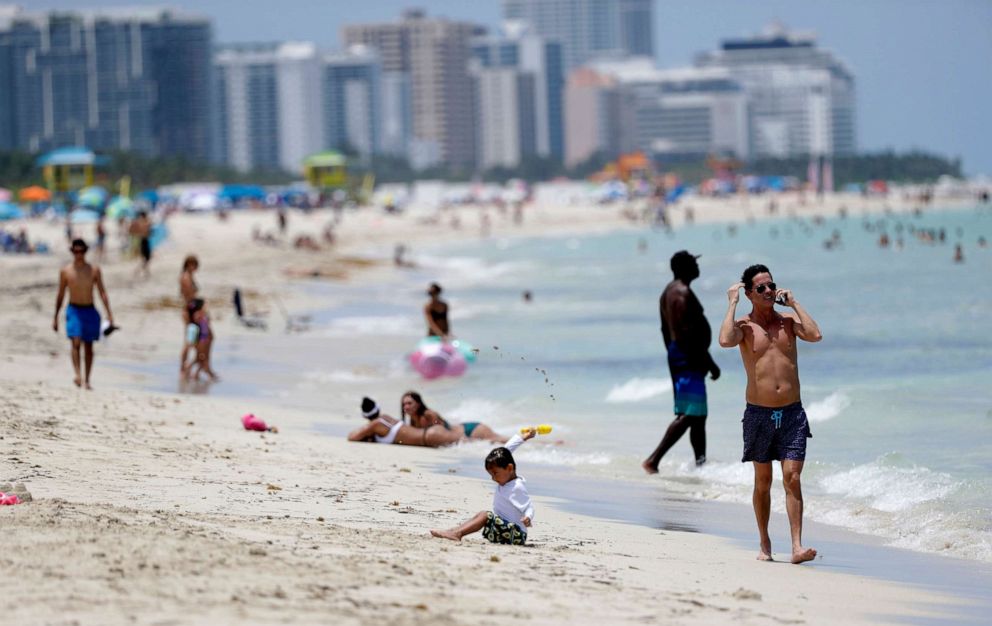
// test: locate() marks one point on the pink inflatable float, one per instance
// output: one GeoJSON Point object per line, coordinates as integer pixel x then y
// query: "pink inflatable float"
{"type": "Point", "coordinates": [433, 359]}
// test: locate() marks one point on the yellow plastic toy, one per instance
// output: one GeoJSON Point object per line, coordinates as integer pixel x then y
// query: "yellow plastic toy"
{"type": "Point", "coordinates": [542, 429]}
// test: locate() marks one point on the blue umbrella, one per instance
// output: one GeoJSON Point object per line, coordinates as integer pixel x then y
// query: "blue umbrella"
{"type": "Point", "coordinates": [83, 216]}
{"type": "Point", "coordinates": [121, 206]}
{"type": "Point", "coordinates": [93, 197]}
{"type": "Point", "coordinates": [10, 211]}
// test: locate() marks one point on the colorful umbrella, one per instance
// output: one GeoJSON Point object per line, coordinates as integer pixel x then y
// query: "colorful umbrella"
{"type": "Point", "coordinates": [121, 206]}
{"type": "Point", "coordinates": [35, 194]}
{"type": "Point", "coordinates": [83, 216]}
{"type": "Point", "coordinates": [5, 195]}
{"type": "Point", "coordinates": [10, 211]}
{"type": "Point", "coordinates": [92, 197]}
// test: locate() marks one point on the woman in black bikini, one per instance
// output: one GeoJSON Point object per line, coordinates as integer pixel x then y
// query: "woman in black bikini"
{"type": "Point", "coordinates": [412, 406]}
{"type": "Point", "coordinates": [436, 314]}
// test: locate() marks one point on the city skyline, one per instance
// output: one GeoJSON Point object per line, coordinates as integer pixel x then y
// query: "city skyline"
{"type": "Point", "coordinates": [926, 90]}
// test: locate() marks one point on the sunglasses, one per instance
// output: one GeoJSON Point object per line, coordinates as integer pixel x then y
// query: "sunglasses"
{"type": "Point", "coordinates": [761, 288]}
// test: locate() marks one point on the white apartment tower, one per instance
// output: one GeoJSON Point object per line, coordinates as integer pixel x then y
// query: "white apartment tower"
{"type": "Point", "coordinates": [801, 98]}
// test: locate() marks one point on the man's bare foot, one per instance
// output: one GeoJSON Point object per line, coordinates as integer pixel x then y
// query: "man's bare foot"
{"type": "Point", "coordinates": [765, 552]}
{"type": "Point", "coordinates": [88, 387]}
{"type": "Point", "coordinates": [803, 554]}
{"type": "Point", "coordinates": [77, 381]}
{"type": "Point", "coordinates": [650, 469]}
{"type": "Point", "coordinates": [445, 534]}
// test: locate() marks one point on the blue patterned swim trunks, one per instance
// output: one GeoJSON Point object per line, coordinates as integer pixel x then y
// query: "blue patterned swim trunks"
{"type": "Point", "coordinates": [498, 530]}
{"type": "Point", "coordinates": [775, 434]}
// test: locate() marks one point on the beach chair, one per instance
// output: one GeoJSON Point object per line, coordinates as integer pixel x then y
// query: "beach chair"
{"type": "Point", "coordinates": [250, 322]}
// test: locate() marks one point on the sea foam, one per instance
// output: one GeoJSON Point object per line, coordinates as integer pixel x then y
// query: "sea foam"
{"type": "Point", "coordinates": [638, 389]}
{"type": "Point", "coordinates": [828, 408]}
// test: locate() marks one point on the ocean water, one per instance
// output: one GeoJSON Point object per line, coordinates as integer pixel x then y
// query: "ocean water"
{"type": "Point", "coordinates": [899, 392]}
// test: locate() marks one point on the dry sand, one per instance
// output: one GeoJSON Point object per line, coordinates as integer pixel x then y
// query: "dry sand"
{"type": "Point", "coordinates": [159, 509]}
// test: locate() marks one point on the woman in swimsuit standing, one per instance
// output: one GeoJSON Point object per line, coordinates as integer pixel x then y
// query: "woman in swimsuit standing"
{"type": "Point", "coordinates": [436, 314]}
{"type": "Point", "coordinates": [412, 406]}
{"type": "Point", "coordinates": [385, 429]}
{"type": "Point", "coordinates": [187, 291]}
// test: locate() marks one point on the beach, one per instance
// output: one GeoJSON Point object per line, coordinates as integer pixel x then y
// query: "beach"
{"type": "Point", "coordinates": [155, 507]}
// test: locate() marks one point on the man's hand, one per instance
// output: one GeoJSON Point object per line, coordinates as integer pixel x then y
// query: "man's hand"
{"type": "Point", "coordinates": [734, 293]}
{"type": "Point", "coordinates": [785, 295]}
{"type": "Point", "coordinates": [526, 522]}
{"type": "Point", "coordinates": [55, 324]}
{"type": "Point", "coordinates": [714, 371]}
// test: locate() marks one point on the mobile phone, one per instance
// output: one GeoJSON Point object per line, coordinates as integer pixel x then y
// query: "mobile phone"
{"type": "Point", "coordinates": [781, 300]}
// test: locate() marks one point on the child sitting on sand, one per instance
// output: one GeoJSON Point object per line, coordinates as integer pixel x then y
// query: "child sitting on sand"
{"type": "Point", "coordinates": [512, 511]}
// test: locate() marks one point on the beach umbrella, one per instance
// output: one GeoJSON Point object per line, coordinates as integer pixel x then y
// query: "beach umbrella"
{"type": "Point", "coordinates": [121, 206]}
{"type": "Point", "coordinates": [34, 194]}
{"type": "Point", "coordinates": [10, 211]}
{"type": "Point", "coordinates": [92, 197]}
{"type": "Point", "coordinates": [5, 195]}
{"type": "Point", "coordinates": [83, 216]}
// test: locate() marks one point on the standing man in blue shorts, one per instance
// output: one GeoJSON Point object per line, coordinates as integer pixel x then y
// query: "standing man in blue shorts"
{"type": "Point", "coordinates": [775, 425]}
{"type": "Point", "coordinates": [687, 336]}
{"type": "Point", "coordinates": [82, 320]}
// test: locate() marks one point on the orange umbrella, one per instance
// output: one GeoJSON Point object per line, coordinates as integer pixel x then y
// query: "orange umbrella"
{"type": "Point", "coordinates": [34, 194]}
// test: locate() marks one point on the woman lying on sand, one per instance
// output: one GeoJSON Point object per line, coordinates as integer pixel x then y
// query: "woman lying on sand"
{"type": "Point", "coordinates": [385, 429]}
{"type": "Point", "coordinates": [420, 416]}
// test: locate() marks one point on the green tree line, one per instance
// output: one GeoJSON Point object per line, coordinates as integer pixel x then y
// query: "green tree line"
{"type": "Point", "coordinates": [17, 169]}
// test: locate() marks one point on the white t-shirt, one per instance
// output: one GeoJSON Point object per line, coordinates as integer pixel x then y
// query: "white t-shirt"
{"type": "Point", "coordinates": [511, 501]}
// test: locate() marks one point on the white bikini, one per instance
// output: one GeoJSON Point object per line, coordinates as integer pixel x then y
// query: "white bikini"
{"type": "Point", "coordinates": [391, 435]}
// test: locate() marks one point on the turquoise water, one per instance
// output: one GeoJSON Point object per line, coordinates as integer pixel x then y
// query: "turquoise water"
{"type": "Point", "coordinates": [898, 392]}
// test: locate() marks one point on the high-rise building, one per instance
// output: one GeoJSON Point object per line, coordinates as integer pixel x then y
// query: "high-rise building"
{"type": "Point", "coordinates": [434, 53]}
{"type": "Point", "coordinates": [801, 98]}
{"type": "Point", "coordinates": [111, 79]}
{"type": "Point", "coordinates": [530, 66]}
{"type": "Point", "coordinates": [269, 105]}
{"type": "Point", "coordinates": [622, 106]}
{"type": "Point", "coordinates": [588, 29]}
{"type": "Point", "coordinates": [353, 108]}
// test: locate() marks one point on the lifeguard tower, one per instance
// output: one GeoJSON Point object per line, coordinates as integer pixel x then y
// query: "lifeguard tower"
{"type": "Point", "coordinates": [326, 171]}
{"type": "Point", "coordinates": [69, 169]}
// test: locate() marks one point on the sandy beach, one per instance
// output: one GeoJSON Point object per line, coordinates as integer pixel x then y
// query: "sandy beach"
{"type": "Point", "coordinates": [154, 508]}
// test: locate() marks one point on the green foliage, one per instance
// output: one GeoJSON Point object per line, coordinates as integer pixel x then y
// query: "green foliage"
{"type": "Point", "coordinates": [910, 167]}
{"type": "Point", "coordinates": [17, 169]}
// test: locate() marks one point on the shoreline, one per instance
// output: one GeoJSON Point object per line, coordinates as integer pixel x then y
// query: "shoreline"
{"type": "Point", "coordinates": [130, 484]}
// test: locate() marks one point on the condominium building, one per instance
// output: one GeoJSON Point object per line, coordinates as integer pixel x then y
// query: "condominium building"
{"type": "Point", "coordinates": [269, 105]}
{"type": "Point", "coordinates": [588, 29]}
{"type": "Point", "coordinates": [434, 53]}
{"type": "Point", "coordinates": [802, 98]}
{"type": "Point", "coordinates": [520, 94]}
{"type": "Point", "coordinates": [130, 79]}
{"type": "Point", "coordinates": [622, 106]}
{"type": "Point", "coordinates": [353, 108]}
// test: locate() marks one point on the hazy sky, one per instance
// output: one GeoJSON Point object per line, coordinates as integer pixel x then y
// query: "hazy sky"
{"type": "Point", "coordinates": [923, 67]}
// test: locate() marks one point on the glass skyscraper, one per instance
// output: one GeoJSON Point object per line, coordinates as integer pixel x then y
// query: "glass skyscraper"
{"type": "Point", "coordinates": [116, 79]}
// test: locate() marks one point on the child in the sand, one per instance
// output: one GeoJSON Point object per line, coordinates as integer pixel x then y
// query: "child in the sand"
{"type": "Point", "coordinates": [204, 343]}
{"type": "Point", "coordinates": [512, 511]}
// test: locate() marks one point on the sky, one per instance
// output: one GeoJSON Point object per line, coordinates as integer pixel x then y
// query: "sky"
{"type": "Point", "coordinates": [923, 67]}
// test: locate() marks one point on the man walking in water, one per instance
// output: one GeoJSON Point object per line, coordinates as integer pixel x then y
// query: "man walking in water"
{"type": "Point", "coordinates": [687, 337]}
{"type": "Point", "coordinates": [775, 425]}
{"type": "Point", "coordinates": [82, 320]}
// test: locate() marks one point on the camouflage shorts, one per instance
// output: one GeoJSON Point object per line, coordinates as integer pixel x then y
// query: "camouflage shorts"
{"type": "Point", "coordinates": [498, 530]}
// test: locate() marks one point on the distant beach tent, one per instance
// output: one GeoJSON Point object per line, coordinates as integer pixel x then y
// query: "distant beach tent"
{"type": "Point", "coordinates": [326, 170]}
{"type": "Point", "coordinates": [34, 194]}
{"type": "Point", "coordinates": [120, 206]}
{"type": "Point", "coordinates": [10, 211]}
{"type": "Point", "coordinates": [239, 193]}
{"type": "Point", "coordinates": [70, 168]}
{"type": "Point", "coordinates": [93, 197]}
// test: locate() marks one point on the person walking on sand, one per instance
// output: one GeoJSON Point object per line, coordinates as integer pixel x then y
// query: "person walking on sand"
{"type": "Point", "coordinates": [436, 314]}
{"type": "Point", "coordinates": [188, 290]}
{"type": "Point", "coordinates": [775, 424]}
{"type": "Point", "coordinates": [141, 229]}
{"type": "Point", "coordinates": [82, 320]}
{"type": "Point", "coordinates": [687, 336]}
